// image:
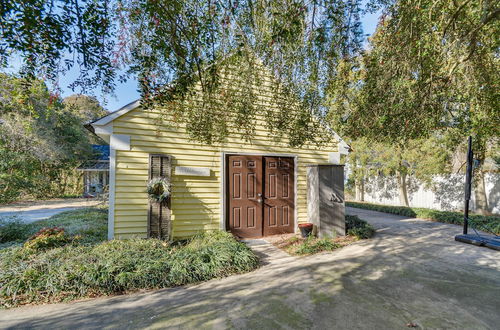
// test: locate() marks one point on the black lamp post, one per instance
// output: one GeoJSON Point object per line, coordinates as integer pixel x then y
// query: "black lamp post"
{"type": "Point", "coordinates": [468, 185]}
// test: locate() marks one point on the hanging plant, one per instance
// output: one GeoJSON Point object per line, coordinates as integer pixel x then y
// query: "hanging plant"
{"type": "Point", "coordinates": [159, 190]}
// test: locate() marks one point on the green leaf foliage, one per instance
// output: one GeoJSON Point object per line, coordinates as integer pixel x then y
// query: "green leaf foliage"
{"type": "Point", "coordinates": [357, 227]}
{"type": "Point", "coordinates": [42, 141]}
{"type": "Point", "coordinates": [173, 46]}
{"type": "Point", "coordinates": [430, 66]}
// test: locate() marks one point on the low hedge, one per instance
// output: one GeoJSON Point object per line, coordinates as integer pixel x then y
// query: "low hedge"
{"type": "Point", "coordinates": [487, 223]}
{"type": "Point", "coordinates": [355, 226]}
{"type": "Point", "coordinates": [76, 271]}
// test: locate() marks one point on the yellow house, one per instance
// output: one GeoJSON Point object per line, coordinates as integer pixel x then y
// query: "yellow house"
{"type": "Point", "coordinates": [251, 188]}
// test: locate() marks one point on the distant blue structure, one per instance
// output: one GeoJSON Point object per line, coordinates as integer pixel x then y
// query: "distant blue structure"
{"type": "Point", "coordinates": [96, 172]}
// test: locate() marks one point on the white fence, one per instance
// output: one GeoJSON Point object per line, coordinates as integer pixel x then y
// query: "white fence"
{"type": "Point", "coordinates": [447, 193]}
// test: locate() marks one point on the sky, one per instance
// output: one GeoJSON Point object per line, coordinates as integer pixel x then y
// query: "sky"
{"type": "Point", "coordinates": [128, 91]}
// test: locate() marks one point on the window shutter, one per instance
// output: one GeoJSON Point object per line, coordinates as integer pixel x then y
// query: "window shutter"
{"type": "Point", "coordinates": [159, 166]}
{"type": "Point", "coordinates": [159, 224]}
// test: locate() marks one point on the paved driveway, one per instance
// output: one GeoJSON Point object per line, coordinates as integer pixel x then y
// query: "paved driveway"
{"type": "Point", "coordinates": [412, 271]}
{"type": "Point", "coordinates": [40, 210]}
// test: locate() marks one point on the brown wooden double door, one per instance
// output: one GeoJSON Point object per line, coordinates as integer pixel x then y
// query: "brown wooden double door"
{"type": "Point", "coordinates": [260, 195]}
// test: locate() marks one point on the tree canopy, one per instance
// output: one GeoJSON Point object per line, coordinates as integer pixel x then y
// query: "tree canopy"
{"type": "Point", "coordinates": [42, 141]}
{"type": "Point", "coordinates": [431, 66]}
{"type": "Point", "coordinates": [179, 43]}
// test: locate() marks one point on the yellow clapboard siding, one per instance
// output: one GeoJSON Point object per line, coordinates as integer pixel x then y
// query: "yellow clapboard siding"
{"type": "Point", "coordinates": [152, 132]}
{"type": "Point", "coordinates": [193, 201]}
{"type": "Point", "coordinates": [129, 177]}
{"type": "Point", "coordinates": [200, 216]}
{"type": "Point", "coordinates": [175, 188]}
{"type": "Point", "coordinates": [129, 201]}
{"type": "Point", "coordinates": [208, 195]}
{"type": "Point", "coordinates": [139, 212]}
{"type": "Point", "coordinates": [196, 227]}
{"type": "Point", "coordinates": [126, 226]}
{"type": "Point", "coordinates": [134, 207]}
{"type": "Point", "coordinates": [137, 229]}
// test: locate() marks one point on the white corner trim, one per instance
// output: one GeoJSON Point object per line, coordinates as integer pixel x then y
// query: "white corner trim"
{"type": "Point", "coordinates": [119, 142]}
{"type": "Point", "coordinates": [334, 158]}
{"type": "Point", "coordinates": [343, 147]}
{"type": "Point", "coordinates": [103, 130]}
{"type": "Point", "coordinates": [222, 224]}
{"type": "Point", "coordinates": [111, 197]}
{"type": "Point", "coordinates": [118, 113]}
{"type": "Point", "coordinates": [295, 192]}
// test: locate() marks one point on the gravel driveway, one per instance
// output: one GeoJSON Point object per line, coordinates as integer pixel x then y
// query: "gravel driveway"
{"type": "Point", "coordinates": [39, 210]}
{"type": "Point", "coordinates": [411, 273]}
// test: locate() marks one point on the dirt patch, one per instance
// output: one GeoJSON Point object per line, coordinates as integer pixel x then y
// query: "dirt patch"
{"type": "Point", "coordinates": [297, 245]}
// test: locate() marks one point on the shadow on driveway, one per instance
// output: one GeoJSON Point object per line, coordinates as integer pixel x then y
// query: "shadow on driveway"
{"type": "Point", "coordinates": [411, 271]}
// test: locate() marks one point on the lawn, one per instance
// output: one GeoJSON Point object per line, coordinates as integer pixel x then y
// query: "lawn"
{"type": "Point", "coordinates": [89, 223]}
{"type": "Point", "coordinates": [71, 259]}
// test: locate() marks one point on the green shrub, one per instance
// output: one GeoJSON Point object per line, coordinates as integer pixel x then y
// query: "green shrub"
{"type": "Point", "coordinates": [75, 271]}
{"type": "Point", "coordinates": [362, 232]}
{"type": "Point", "coordinates": [355, 226]}
{"type": "Point", "coordinates": [312, 245]}
{"type": "Point", "coordinates": [13, 229]}
{"type": "Point", "coordinates": [48, 238]}
{"type": "Point", "coordinates": [487, 223]}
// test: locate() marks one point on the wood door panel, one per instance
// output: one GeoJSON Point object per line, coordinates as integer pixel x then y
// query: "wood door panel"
{"type": "Point", "coordinates": [279, 195]}
{"type": "Point", "coordinates": [244, 186]}
{"type": "Point", "coordinates": [252, 178]}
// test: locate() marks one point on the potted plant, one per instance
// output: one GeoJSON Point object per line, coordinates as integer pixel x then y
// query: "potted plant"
{"type": "Point", "coordinates": [306, 229]}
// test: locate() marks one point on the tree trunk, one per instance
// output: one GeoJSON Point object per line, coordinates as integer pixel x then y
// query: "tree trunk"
{"type": "Point", "coordinates": [403, 191]}
{"type": "Point", "coordinates": [481, 199]}
{"type": "Point", "coordinates": [360, 190]}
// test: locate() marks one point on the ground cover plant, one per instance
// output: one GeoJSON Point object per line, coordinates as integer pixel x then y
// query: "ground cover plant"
{"type": "Point", "coordinates": [488, 223]}
{"type": "Point", "coordinates": [356, 229]}
{"type": "Point", "coordinates": [76, 270]}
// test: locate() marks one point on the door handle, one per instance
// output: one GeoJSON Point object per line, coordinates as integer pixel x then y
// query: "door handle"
{"type": "Point", "coordinates": [260, 200]}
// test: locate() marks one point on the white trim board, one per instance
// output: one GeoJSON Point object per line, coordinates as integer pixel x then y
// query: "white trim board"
{"type": "Point", "coordinates": [295, 157]}
{"type": "Point", "coordinates": [111, 198]}
{"type": "Point", "coordinates": [118, 113]}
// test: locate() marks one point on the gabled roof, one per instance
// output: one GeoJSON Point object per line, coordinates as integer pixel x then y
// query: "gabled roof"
{"type": "Point", "coordinates": [115, 114]}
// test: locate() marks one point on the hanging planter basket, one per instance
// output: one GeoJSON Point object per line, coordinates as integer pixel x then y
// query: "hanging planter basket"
{"type": "Point", "coordinates": [159, 190]}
